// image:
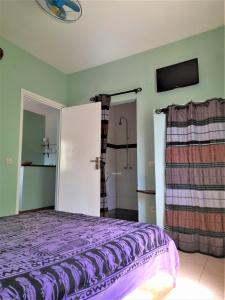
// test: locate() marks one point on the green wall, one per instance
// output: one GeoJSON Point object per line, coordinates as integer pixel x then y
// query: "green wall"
{"type": "Point", "coordinates": [38, 188]}
{"type": "Point", "coordinates": [139, 71]}
{"type": "Point", "coordinates": [33, 133]}
{"type": "Point", "coordinates": [18, 69]}
{"type": "Point", "coordinates": [1, 133]}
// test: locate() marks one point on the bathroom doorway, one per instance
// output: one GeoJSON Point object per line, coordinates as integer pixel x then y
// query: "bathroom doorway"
{"type": "Point", "coordinates": [38, 159]}
{"type": "Point", "coordinates": [121, 162]}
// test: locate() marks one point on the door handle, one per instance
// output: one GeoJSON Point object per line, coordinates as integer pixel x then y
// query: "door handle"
{"type": "Point", "coordinates": [97, 162]}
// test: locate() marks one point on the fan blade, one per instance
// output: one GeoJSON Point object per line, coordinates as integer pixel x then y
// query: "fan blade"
{"type": "Point", "coordinates": [49, 2]}
{"type": "Point", "coordinates": [71, 5]}
{"type": "Point", "coordinates": [62, 14]}
{"type": "Point", "coordinates": [58, 3]}
{"type": "Point", "coordinates": [56, 8]}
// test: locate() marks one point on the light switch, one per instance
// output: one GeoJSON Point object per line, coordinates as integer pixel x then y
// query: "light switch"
{"type": "Point", "coordinates": [9, 161]}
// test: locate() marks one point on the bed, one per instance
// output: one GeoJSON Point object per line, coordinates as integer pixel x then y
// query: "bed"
{"type": "Point", "coordinates": [55, 255]}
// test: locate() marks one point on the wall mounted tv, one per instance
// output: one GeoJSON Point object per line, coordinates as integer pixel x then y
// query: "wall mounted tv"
{"type": "Point", "coordinates": [178, 75]}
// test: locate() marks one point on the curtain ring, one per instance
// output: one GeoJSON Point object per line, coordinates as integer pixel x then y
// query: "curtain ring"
{"type": "Point", "coordinates": [1, 53]}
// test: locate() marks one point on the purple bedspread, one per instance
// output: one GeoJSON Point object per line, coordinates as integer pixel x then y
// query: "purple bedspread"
{"type": "Point", "coordinates": [54, 255]}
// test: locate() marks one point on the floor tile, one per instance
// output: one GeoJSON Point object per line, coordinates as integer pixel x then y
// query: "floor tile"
{"type": "Point", "coordinates": [190, 271]}
{"type": "Point", "coordinates": [215, 266]}
{"type": "Point", "coordinates": [214, 282]}
{"type": "Point", "coordinates": [193, 258]}
{"type": "Point", "coordinates": [200, 277]}
{"type": "Point", "coordinates": [188, 289]}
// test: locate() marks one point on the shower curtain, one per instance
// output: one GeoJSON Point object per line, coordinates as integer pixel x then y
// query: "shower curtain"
{"type": "Point", "coordinates": [105, 105]}
{"type": "Point", "coordinates": [195, 176]}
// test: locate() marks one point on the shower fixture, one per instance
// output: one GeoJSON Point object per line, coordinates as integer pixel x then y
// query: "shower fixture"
{"type": "Point", "coordinates": [127, 139]}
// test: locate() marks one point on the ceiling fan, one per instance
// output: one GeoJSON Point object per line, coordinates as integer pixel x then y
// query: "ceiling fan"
{"type": "Point", "coordinates": [64, 10]}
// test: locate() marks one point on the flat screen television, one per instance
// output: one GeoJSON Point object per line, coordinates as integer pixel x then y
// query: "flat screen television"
{"type": "Point", "coordinates": [178, 75]}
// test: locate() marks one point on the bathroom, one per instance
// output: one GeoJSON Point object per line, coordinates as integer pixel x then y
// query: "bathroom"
{"type": "Point", "coordinates": [38, 156]}
{"type": "Point", "coordinates": [121, 162]}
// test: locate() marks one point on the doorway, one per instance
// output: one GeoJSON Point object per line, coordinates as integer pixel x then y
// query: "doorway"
{"type": "Point", "coordinates": [77, 165]}
{"type": "Point", "coordinates": [121, 162]}
{"type": "Point", "coordinates": [38, 153]}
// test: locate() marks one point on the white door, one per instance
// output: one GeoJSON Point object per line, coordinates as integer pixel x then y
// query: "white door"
{"type": "Point", "coordinates": [79, 178]}
{"type": "Point", "coordinates": [160, 146]}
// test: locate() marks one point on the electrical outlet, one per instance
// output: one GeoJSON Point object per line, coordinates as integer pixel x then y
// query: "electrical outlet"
{"type": "Point", "coordinates": [9, 161]}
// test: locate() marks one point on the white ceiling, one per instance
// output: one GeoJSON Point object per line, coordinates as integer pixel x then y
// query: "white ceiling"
{"type": "Point", "coordinates": [108, 30]}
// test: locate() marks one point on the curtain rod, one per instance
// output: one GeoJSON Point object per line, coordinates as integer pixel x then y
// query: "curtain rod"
{"type": "Point", "coordinates": [160, 110]}
{"type": "Point", "coordinates": [137, 90]}
{"type": "Point", "coordinates": [180, 106]}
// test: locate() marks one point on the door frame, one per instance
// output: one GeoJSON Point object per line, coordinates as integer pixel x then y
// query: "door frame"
{"type": "Point", "coordinates": [25, 94]}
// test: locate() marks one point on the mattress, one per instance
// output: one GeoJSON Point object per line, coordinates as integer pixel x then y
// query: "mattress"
{"type": "Point", "coordinates": [55, 255]}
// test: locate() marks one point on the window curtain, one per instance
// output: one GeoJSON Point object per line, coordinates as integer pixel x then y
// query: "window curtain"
{"type": "Point", "coordinates": [195, 176]}
{"type": "Point", "coordinates": [105, 106]}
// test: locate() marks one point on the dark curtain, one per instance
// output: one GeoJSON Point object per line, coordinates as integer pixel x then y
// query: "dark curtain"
{"type": "Point", "coordinates": [105, 105]}
{"type": "Point", "coordinates": [195, 176]}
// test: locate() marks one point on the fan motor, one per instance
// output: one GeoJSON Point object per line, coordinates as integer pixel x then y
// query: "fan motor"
{"type": "Point", "coordinates": [1, 53]}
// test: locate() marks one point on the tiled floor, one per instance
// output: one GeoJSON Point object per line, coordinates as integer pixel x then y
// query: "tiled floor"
{"type": "Point", "coordinates": [122, 214]}
{"type": "Point", "coordinates": [200, 277]}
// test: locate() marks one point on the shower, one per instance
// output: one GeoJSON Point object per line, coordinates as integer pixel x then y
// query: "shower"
{"type": "Point", "coordinates": [121, 162]}
{"type": "Point", "coordinates": [127, 139]}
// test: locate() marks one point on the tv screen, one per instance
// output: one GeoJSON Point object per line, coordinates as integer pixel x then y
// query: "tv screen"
{"type": "Point", "coordinates": [178, 75]}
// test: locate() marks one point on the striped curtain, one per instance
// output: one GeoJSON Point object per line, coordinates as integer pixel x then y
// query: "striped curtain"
{"type": "Point", "coordinates": [105, 105]}
{"type": "Point", "coordinates": [195, 176]}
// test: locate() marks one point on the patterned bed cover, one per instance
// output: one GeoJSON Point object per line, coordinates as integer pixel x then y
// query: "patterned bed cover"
{"type": "Point", "coordinates": [54, 255]}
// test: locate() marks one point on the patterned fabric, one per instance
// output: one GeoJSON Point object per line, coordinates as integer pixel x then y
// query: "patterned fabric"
{"type": "Point", "coordinates": [53, 255]}
{"type": "Point", "coordinates": [195, 176]}
{"type": "Point", "coordinates": [105, 104]}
